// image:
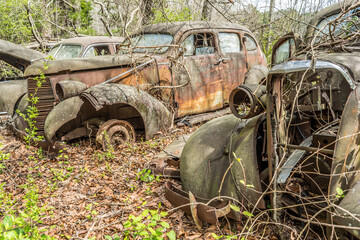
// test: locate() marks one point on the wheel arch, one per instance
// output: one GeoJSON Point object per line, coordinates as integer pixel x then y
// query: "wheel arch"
{"type": "Point", "coordinates": [109, 101]}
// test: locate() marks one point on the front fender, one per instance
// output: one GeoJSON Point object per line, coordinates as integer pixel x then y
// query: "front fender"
{"type": "Point", "coordinates": [62, 113]}
{"type": "Point", "coordinates": [346, 164]}
{"type": "Point", "coordinates": [156, 117]}
{"type": "Point", "coordinates": [211, 150]}
{"type": "Point", "coordinates": [92, 102]}
{"type": "Point", "coordinates": [10, 92]}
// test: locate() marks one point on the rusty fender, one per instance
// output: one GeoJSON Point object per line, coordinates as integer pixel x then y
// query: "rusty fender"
{"type": "Point", "coordinates": [346, 165]}
{"type": "Point", "coordinates": [155, 115]}
{"type": "Point", "coordinates": [211, 151]}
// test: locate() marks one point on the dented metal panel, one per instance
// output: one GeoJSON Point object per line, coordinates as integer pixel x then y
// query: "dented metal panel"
{"type": "Point", "coordinates": [155, 115]}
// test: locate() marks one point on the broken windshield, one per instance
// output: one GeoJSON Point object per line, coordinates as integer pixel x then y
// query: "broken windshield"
{"type": "Point", "coordinates": [65, 51]}
{"type": "Point", "coordinates": [149, 42]}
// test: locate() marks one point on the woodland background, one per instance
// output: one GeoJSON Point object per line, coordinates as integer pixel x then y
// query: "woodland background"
{"type": "Point", "coordinates": [25, 21]}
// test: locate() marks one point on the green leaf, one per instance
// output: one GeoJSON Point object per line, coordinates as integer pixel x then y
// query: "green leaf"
{"type": "Point", "coordinates": [165, 224]}
{"type": "Point", "coordinates": [152, 231]}
{"type": "Point", "coordinates": [235, 208]}
{"type": "Point", "coordinates": [216, 236]}
{"type": "Point", "coordinates": [145, 212]}
{"type": "Point", "coordinates": [108, 237]}
{"type": "Point", "coordinates": [171, 235]}
{"type": "Point", "coordinates": [144, 233]}
{"type": "Point", "coordinates": [163, 214]}
{"type": "Point", "coordinates": [11, 235]}
{"type": "Point", "coordinates": [8, 222]}
{"type": "Point", "coordinates": [248, 214]}
{"type": "Point", "coordinates": [339, 191]}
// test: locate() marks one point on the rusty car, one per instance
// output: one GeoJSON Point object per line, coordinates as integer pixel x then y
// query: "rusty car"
{"type": "Point", "coordinates": [21, 57]}
{"type": "Point", "coordinates": [293, 142]}
{"type": "Point", "coordinates": [163, 72]}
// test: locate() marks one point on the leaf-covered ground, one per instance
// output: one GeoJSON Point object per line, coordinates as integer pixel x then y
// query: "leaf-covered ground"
{"type": "Point", "coordinates": [90, 194]}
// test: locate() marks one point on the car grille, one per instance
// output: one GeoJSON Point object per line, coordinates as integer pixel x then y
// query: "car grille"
{"type": "Point", "coordinates": [45, 103]}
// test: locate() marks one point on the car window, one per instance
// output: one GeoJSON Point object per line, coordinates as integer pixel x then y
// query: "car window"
{"type": "Point", "coordinates": [229, 42]}
{"type": "Point", "coordinates": [97, 51]}
{"type": "Point", "coordinates": [149, 42]}
{"type": "Point", "coordinates": [284, 51]}
{"type": "Point", "coordinates": [199, 44]}
{"type": "Point", "coordinates": [343, 26]}
{"type": "Point", "coordinates": [66, 51]}
{"type": "Point", "coordinates": [250, 43]}
{"type": "Point", "coordinates": [53, 51]}
{"type": "Point", "coordinates": [90, 52]}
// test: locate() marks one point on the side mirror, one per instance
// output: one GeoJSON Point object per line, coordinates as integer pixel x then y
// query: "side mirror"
{"type": "Point", "coordinates": [284, 48]}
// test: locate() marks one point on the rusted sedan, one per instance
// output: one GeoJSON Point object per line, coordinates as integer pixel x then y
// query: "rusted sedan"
{"type": "Point", "coordinates": [90, 46]}
{"type": "Point", "coordinates": [163, 72]}
{"type": "Point", "coordinates": [21, 57]}
{"type": "Point", "coordinates": [302, 153]}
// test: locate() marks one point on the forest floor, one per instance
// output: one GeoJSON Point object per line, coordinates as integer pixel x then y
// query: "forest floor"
{"type": "Point", "coordinates": [86, 193]}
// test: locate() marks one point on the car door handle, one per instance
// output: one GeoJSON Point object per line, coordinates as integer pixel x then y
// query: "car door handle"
{"type": "Point", "coordinates": [221, 60]}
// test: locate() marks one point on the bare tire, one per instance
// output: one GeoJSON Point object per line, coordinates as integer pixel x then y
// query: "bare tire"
{"type": "Point", "coordinates": [114, 132]}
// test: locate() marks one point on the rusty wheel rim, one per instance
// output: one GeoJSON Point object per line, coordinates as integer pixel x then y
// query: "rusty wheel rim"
{"type": "Point", "coordinates": [114, 132]}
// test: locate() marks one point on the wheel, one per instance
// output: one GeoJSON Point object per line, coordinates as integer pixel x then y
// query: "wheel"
{"type": "Point", "coordinates": [114, 132]}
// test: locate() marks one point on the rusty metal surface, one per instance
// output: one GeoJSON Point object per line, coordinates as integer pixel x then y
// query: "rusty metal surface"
{"type": "Point", "coordinates": [208, 213]}
{"type": "Point", "coordinates": [45, 103]}
{"type": "Point", "coordinates": [156, 117]}
{"type": "Point", "coordinates": [66, 89]}
{"type": "Point", "coordinates": [115, 132]}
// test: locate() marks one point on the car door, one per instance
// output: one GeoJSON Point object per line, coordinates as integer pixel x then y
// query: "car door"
{"type": "Point", "coordinates": [200, 72]}
{"type": "Point", "coordinates": [233, 61]}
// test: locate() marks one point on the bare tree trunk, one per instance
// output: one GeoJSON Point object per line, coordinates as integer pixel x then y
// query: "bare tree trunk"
{"type": "Point", "coordinates": [146, 11]}
{"type": "Point", "coordinates": [271, 10]}
{"type": "Point", "coordinates": [206, 10]}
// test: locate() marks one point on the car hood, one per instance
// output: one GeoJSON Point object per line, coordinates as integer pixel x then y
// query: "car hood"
{"type": "Point", "coordinates": [17, 55]}
{"type": "Point", "coordinates": [349, 60]}
{"type": "Point", "coordinates": [80, 64]}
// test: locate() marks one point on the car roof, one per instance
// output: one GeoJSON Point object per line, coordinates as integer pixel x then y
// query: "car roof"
{"type": "Point", "coordinates": [173, 28]}
{"type": "Point", "coordinates": [92, 39]}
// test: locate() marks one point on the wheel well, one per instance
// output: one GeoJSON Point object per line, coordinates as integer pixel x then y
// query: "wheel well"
{"type": "Point", "coordinates": [120, 111]}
